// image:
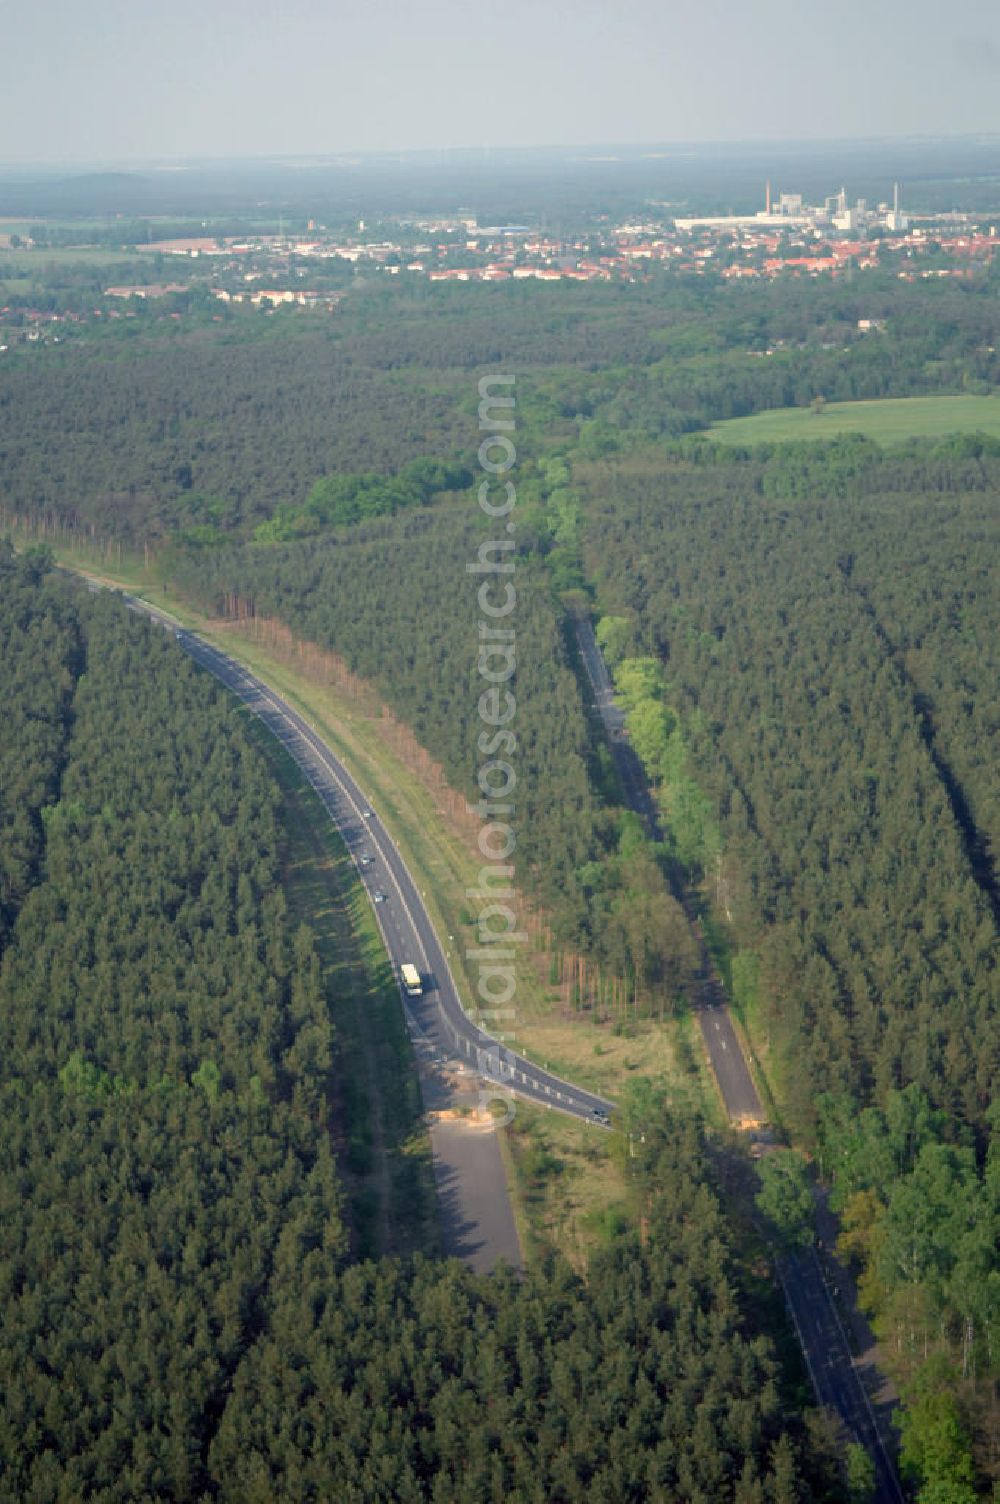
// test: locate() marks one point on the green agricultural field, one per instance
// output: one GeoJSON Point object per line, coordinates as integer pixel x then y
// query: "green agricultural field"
{"type": "Point", "coordinates": [887, 421]}
{"type": "Point", "coordinates": [20, 263]}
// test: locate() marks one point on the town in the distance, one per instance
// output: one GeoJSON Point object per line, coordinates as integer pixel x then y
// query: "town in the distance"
{"type": "Point", "coordinates": [309, 266]}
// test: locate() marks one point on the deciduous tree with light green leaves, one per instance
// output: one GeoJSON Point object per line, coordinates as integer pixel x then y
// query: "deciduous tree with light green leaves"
{"type": "Point", "coordinates": [935, 1446]}
{"type": "Point", "coordinates": [785, 1197]}
{"type": "Point", "coordinates": [860, 1475]}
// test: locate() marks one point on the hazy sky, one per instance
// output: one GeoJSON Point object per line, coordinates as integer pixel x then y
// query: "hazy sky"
{"type": "Point", "coordinates": [102, 79]}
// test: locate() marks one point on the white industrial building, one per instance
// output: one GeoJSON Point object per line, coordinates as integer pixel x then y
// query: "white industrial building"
{"type": "Point", "coordinates": [789, 212]}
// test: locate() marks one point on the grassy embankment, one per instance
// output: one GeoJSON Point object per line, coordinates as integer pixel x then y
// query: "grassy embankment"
{"type": "Point", "coordinates": [890, 420]}
{"type": "Point", "coordinates": [570, 1186]}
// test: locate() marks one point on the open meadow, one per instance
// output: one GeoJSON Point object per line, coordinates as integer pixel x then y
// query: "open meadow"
{"type": "Point", "coordinates": [890, 420]}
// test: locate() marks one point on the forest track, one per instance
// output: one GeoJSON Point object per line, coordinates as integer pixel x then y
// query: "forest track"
{"type": "Point", "coordinates": [723, 1046]}
{"type": "Point", "coordinates": [835, 1373]}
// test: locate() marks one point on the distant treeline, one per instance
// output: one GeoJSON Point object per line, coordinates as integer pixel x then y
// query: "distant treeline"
{"type": "Point", "coordinates": [216, 426]}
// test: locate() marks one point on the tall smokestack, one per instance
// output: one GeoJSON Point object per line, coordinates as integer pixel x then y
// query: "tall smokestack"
{"type": "Point", "coordinates": [767, 197]}
{"type": "Point", "coordinates": [895, 198]}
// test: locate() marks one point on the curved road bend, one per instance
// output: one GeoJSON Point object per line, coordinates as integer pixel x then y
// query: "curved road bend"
{"type": "Point", "coordinates": [477, 1221]}
{"type": "Point", "coordinates": [832, 1368]}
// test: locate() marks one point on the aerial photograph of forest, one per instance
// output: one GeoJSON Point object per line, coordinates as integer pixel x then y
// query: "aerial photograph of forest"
{"type": "Point", "coordinates": [499, 814]}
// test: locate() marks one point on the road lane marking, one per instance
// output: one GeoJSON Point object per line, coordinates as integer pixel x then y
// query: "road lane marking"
{"type": "Point", "coordinates": [314, 759]}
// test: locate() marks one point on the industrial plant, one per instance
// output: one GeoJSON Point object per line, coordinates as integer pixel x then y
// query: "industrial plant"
{"type": "Point", "coordinates": [789, 212]}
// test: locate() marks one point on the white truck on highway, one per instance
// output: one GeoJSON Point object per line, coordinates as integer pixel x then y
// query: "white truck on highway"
{"type": "Point", "coordinates": [412, 985]}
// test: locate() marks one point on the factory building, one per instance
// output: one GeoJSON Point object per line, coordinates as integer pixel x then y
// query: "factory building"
{"type": "Point", "coordinates": [790, 212]}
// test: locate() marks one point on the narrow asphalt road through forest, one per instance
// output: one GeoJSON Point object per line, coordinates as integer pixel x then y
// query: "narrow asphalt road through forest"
{"type": "Point", "coordinates": [736, 1084]}
{"type": "Point", "coordinates": [833, 1370]}
{"type": "Point", "coordinates": [458, 1062]}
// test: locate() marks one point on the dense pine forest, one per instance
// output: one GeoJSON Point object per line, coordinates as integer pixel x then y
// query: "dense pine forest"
{"type": "Point", "coordinates": [142, 431]}
{"type": "Point", "coordinates": [423, 1382]}
{"type": "Point", "coordinates": [803, 641]}
{"type": "Point", "coordinates": [39, 666]}
{"type": "Point", "coordinates": [822, 669]}
{"type": "Point", "coordinates": [166, 1057]}
{"type": "Point", "coordinates": [809, 650]}
{"type": "Point", "coordinates": [181, 1316]}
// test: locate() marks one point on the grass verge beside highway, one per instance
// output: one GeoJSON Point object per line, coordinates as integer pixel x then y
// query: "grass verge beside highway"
{"type": "Point", "coordinates": [569, 1188]}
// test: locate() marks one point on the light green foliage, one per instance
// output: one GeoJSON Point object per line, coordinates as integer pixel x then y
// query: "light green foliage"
{"type": "Point", "coordinates": [744, 970]}
{"type": "Point", "coordinates": [81, 1078]}
{"type": "Point", "coordinates": [935, 1444]}
{"type": "Point", "coordinates": [613, 635]}
{"type": "Point", "coordinates": [854, 1148]}
{"type": "Point", "coordinates": [639, 679]}
{"type": "Point", "coordinates": [554, 472]}
{"type": "Point", "coordinates": [596, 439]}
{"type": "Point", "coordinates": [337, 500]}
{"type": "Point", "coordinates": [208, 1078]}
{"type": "Point", "coordinates": [650, 725]}
{"type": "Point", "coordinates": [940, 1230]}
{"type": "Point", "coordinates": [939, 1214]}
{"type": "Point", "coordinates": [557, 513]}
{"type": "Point", "coordinates": [860, 1475]}
{"type": "Point", "coordinates": [923, 1220]}
{"type": "Point", "coordinates": [659, 741]}
{"type": "Point", "coordinates": [785, 1197]}
{"type": "Point", "coordinates": [632, 837]}
{"type": "Point", "coordinates": [948, 1491]}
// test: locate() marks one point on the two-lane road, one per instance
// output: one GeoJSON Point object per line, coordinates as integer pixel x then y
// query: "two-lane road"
{"type": "Point", "coordinates": [437, 1019]}
{"type": "Point", "coordinates": [832, 1369]}
{"type": "Point", "coordinates": [835, 1378]}
{"type": "Point", "coordinates": [437, 1016]}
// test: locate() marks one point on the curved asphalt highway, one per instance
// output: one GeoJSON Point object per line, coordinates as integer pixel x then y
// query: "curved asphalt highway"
{"type": "Point", "coordinates": [437, 1021]}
